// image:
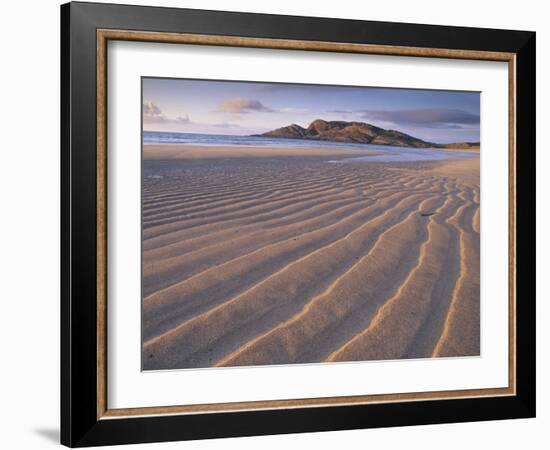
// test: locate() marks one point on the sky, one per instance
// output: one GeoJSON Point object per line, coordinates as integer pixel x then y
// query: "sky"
{"type": "Point", "coordinates": [244, 108]}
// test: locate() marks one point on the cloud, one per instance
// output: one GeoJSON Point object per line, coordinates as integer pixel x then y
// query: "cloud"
{"type": "Point", "coordinates": [429, 118]}
{"type": "Point", "coordinates": [425, 118]}
{"type": "Point", "coordinates": [153, 114]}
{"type": "Point", "coordinates": [291, 110]}
{"type": "Point", "coordinates": [151, 110]}
{"type": "Point", "coordinates": [276, 87]}
{"type": "Point", "coordinates": [343, 113]}
{"type": "Point", "coordinates": [226, 125]}
{"type": "Point", "coordinates": [300, 89]}
{"type": "Point", "coordinates": [182, 119]}
{"type": "Point", "coordinates": [243, 105]}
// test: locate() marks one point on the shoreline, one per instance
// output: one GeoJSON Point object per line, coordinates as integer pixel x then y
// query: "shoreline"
{"type": "Point", "coordinates": [168, 151]}
{"type": "Point", "coordinates": [461, 150]}
{"type": "Point", "coordinates": [186, 151]}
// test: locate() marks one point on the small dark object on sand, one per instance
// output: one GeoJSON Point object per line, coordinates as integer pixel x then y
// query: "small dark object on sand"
{"type": "Point", "coordinates": [427, 214]}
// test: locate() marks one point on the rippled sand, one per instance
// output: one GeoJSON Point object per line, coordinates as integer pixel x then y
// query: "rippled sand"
{"type": "Point", "coordinates": [291, 259]}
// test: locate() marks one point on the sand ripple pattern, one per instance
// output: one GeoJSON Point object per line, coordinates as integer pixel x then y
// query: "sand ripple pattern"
{"type": "Point", "coordinates": [307, 263]}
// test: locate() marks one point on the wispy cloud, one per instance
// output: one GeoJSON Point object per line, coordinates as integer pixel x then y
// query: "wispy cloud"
{"type": "Point", "coordinates": [301, 89]}
{"type": "Point", "coordinates": [153, 114]}
{"type": "Point", "coordinates": [343, 113]}
{"type": "Point", "coordinates": [243, 106]}
{"type": "Point", "coordinates": [425, 118]}
{"type": "Point", "coordinates": [154, 118]}
{"type": "Point", "coordinates": [290, 110]}
{"type": "Point", "coordinates": [428, 118]}
{"type": "Point", "coordinates": [226, 125]}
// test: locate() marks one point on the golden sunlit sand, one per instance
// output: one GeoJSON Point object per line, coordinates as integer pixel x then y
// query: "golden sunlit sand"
{"type": "Point", "coordinates": [281, 257]}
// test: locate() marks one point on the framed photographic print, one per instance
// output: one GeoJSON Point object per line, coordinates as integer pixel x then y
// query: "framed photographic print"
{"type": "Point", "coordinates": [276, 224]}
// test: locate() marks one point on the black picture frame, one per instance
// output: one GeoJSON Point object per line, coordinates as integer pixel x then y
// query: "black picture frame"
{"type": "Point", "coordinates": [80, 425]}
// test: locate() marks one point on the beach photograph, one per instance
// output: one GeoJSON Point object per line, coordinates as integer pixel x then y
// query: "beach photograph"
{"type": "Point", "coordinates": [302, 224]}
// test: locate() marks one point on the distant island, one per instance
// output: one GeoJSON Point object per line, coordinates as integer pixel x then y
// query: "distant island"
{"type": "Point", "coordinates": [359, 133]}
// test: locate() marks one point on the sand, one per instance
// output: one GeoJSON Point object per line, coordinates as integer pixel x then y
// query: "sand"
{"type": "Point", "coordinates": [291, 259]}
{"type": "Point", "coordinates": [178, 151]}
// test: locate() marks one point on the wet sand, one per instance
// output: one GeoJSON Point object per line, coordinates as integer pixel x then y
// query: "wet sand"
{"type": "Point", "coordinates": [287, 258]}
{"type": "Point", "coordinates": [178, 151]}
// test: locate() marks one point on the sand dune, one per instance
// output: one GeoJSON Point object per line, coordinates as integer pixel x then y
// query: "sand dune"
{"type": "Point", "coordinates": [279, 260]}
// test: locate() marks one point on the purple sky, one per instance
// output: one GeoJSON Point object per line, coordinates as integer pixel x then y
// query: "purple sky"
{"type": "Point", "coordinates": [243, 108]}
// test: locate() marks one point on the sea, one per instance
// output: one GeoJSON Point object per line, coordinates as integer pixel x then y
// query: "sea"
{"type": "Point", "coordinates": [382, 153]}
